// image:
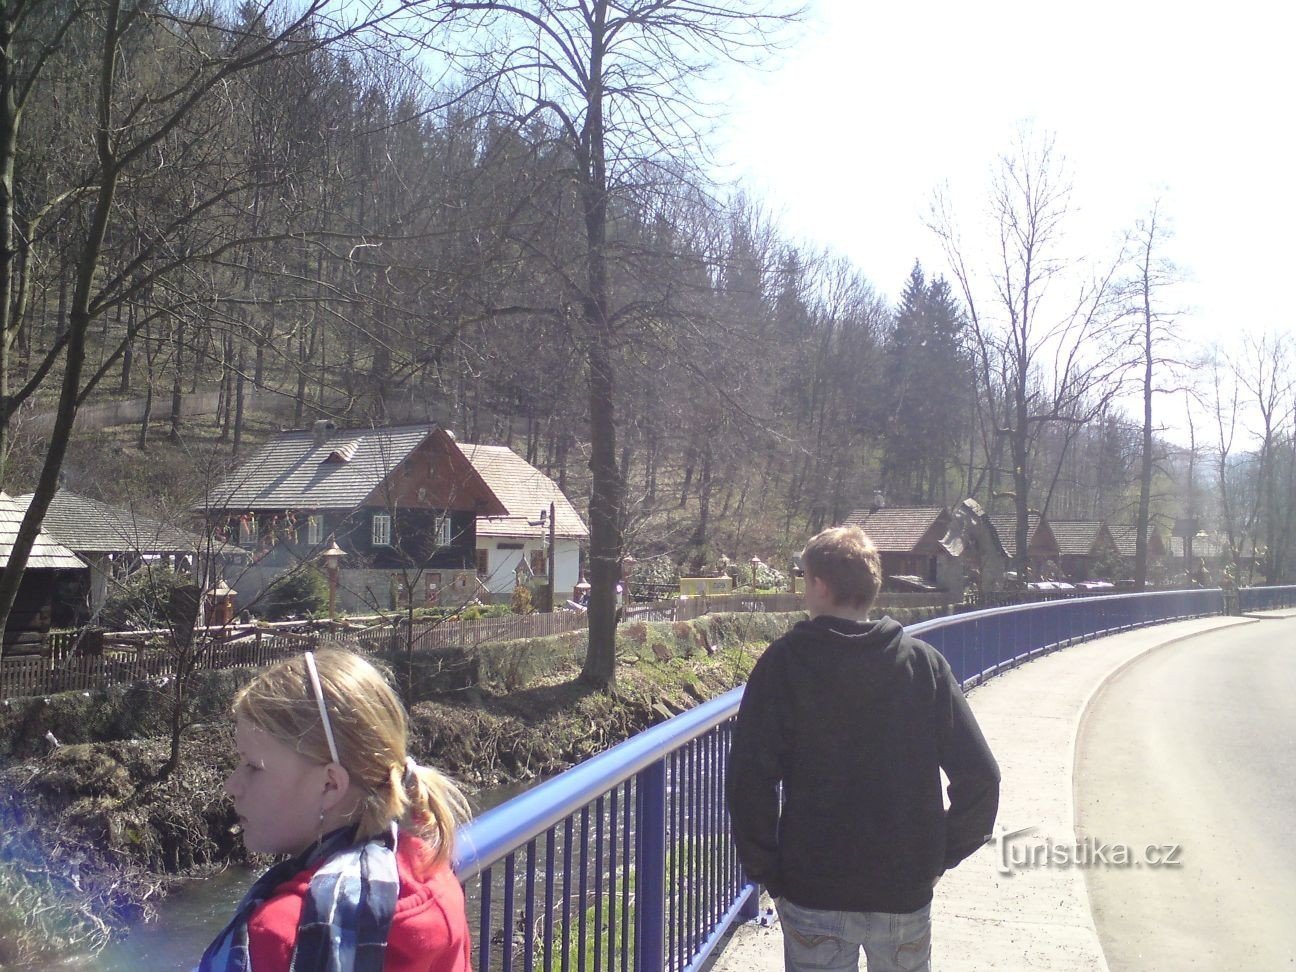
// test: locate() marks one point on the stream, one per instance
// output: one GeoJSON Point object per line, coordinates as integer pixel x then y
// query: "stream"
{"type": "Point", "coordinates": [189, 917]}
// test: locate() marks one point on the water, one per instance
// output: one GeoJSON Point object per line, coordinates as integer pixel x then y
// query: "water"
{"type": "Point", "coordinates": [190, 917]}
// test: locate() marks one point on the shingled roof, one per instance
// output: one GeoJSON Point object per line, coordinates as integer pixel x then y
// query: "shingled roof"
{"type": "Point", "coordinates": [525, 491]}
{"type": "Point", "coordinates": [88, 526]}
{"type": "Point", "coordinates": [900, 529]}
{"type": "Point", "coordinates": [1075, 538]}
{"type": "Point", "coordinates": [1005, 525]}
{"type": "Point", "coordinates": [45, 552]}
{"type": "Point", "coordinates": [294, 471]}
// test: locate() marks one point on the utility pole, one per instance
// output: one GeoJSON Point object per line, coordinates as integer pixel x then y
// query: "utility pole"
{"type": "Point", "coordinates": [553, 581]}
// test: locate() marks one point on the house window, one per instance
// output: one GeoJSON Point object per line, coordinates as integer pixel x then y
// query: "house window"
{"type": "Point", "coordinates": [539, 563]}
{"type": "Point", "coordinates": [247, 530]}
{"type": "Point", "coordinates": [382, 530]}
{"type": "Point", "coordinates": [483, 562]}
{"type": "Point", "coordinates": [315, 530]}
{"type": "Point", "coordinates": [442, 530]}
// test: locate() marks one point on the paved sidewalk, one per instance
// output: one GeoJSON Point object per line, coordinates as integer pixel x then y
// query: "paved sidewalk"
{"type": "Point", "coordinates": [1032, 918]}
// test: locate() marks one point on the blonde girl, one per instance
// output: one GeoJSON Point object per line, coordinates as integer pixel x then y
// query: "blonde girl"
{"type": "Point", "coordinates": [325, 777]}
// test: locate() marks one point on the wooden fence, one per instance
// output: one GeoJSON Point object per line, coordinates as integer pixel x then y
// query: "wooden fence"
{"type": "Point", "coordinates": [27, 675]}
{"type": "Point", "coordinates": [73, 661]}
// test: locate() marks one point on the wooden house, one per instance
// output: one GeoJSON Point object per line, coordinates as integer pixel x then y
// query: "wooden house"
{"type": "Point", "coordinates": [402, 503]}
{"type": "Point", "coordinates": [52, 572]}
{"type": "Point", "coordinates": [909, 540]}
{"type": "Point", "coordinates": [1085, 547]}
{"type": "Point", "coordinates": [1042, 553]}
{"type": "Point", "coordinates": [113, 541]}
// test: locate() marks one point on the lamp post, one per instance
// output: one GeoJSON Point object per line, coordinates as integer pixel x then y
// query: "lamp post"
{"type": "Point", "coordinates": [332, 558]}
{"type": "Point", "coordinates": [755, 564]}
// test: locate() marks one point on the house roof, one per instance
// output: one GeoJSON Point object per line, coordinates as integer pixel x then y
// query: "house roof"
{"type": "Point", "coordinates": [88, 526]}
{"type": "Point", "coordinates": [525, 491]}
{"type": "Point", "coordinates": [1005, 525]}
{"type": "Point", "coordinates": [1075, 538]}
{"type": "Point", "coordinates": [293, 471]}
{"type": "Point", "coordinates": [898, 529]}
{"type": "Point", "coordinates": [45, 552]}
{"type": "Point", "coordinates": [1126, 537]}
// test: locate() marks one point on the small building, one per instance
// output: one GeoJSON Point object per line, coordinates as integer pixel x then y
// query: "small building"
{"type": "Point", "coordinates": [1084, 548]}
{"type": "Point", "coordinates": [909, 540]}
{"type": "Point", "coordinates": [522, 536]}
{"type": "Point", "coordinates": [1041, 545]}
{"type": "Point", "coordinates": [52, 574]}
{"type": "Point", "coordinates": [402, 503]}
{"type": "Point", "coordinates": [114, 542]}
{"type": "Point", "coordinates": [1125, 537]}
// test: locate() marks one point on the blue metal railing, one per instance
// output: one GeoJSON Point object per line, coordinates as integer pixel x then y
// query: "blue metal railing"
{"type": "Point", "coordinates": [1266, 598]}
{"type": "Point", "coordinates": [625, 861]}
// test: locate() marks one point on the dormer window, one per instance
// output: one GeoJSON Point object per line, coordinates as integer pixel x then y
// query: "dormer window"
{"type": "Point", "coordinates": [343, 453]}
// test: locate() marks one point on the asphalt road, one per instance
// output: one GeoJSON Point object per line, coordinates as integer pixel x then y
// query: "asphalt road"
{"type": "Point", "coordinates": [1194, 745]}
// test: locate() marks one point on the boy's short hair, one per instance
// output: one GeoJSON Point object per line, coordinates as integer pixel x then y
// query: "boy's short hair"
{"type": "Point", "coordinates": [846, 560]}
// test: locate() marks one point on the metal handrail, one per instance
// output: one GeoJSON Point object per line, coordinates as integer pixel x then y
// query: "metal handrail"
{"type": "Point", "coordinates": [1266, 598]}
{"type": "Point", "coordinates": [527, 816]}
{"type": "Point", "coordinates": [660, 794]}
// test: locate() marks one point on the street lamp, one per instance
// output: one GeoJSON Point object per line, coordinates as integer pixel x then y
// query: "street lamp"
{"type": "Point", "coordinates": [755, 564]}
{"type": "Point", "coordinates": [332, 558]}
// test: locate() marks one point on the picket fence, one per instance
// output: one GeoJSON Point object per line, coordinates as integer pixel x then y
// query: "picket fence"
{"type": "Point", "coordinates": [62, 670]}
{"type": "Point", "coordinates": [69, 663]}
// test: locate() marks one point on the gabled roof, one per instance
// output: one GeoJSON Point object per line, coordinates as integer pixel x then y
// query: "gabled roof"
{"type": "Point", "coordinates": [1075, 538]}
{"type": "Point", "coordinates": [1125, 536]}
{"type": "Point", "coordinates": [88, 526]}
{"type": "Point", "coordinates": [525, 491]}
{"type": "Point", "coordinates": [901, 529]}
{"type": "Point", "coordinates": [293, 471]}
{"type": "Point", "coordinates": [45, 552]}
{"type": "Point", "coordinates": [1005, 524]}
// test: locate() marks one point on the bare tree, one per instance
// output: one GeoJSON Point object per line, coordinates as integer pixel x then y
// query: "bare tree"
{"type": "Point", "coordinates": [1264, 370]}
{"type": "Point", "coordinates": [614, 85]}
{"type": "Point", "coordinates": [1153, 276]}
{"type": "Point", "coordinates": [1041, 358]}
{"type": "Point", "coordinates": [136, 121]}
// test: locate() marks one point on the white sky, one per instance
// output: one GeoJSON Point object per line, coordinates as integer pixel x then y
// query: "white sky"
{"type": "Point", "coordinates": [877, 105]}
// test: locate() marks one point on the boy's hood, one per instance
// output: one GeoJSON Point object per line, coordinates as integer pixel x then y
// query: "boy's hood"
{"type": "Point", "coordinates": [838, 632]}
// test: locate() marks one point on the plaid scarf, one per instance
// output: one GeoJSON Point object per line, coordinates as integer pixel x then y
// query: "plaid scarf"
{"type": "Point", "coordinates": [346, 913]}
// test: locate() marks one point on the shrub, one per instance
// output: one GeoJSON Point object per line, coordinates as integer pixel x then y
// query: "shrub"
{"type": "Point", "coordinates": [153, 597]}
{"type": "Point", "coordinates": [521, 603]}
{"type": "Point", "coordinates": [300, 592]}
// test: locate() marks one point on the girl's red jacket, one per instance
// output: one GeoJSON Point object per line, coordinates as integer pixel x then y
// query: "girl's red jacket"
{"type": "Point", "coordinates": [429, 932]}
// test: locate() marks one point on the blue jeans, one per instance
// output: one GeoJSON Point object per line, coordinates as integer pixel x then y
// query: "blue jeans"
{"type": "Point", "coordinates": [829, 941]}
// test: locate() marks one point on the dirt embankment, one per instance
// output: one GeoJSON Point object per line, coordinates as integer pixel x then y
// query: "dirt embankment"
{"type": "Point", "coordinates": [90, 834]}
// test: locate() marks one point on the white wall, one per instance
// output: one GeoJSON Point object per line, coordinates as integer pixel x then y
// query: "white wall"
{"type": "Point", "coordinates": [503, 563]}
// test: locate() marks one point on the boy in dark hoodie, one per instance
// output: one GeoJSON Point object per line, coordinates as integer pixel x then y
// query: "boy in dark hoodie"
{"type": "Point", "coordinates": [855, 720]}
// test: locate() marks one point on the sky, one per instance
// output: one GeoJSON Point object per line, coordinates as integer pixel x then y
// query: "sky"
{"type": "Point", "coordinates": [875, 106]}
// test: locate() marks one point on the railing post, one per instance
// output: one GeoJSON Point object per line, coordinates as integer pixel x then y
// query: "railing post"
{"type": "Point", "coordinates": [650, 868]}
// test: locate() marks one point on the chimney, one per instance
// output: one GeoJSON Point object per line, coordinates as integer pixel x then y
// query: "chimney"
{"type": "Point", "coordinates": [322, 429]}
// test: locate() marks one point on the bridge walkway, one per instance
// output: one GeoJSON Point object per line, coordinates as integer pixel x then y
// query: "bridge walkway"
{"type": "Point", "coordinates": [1033, 917]}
